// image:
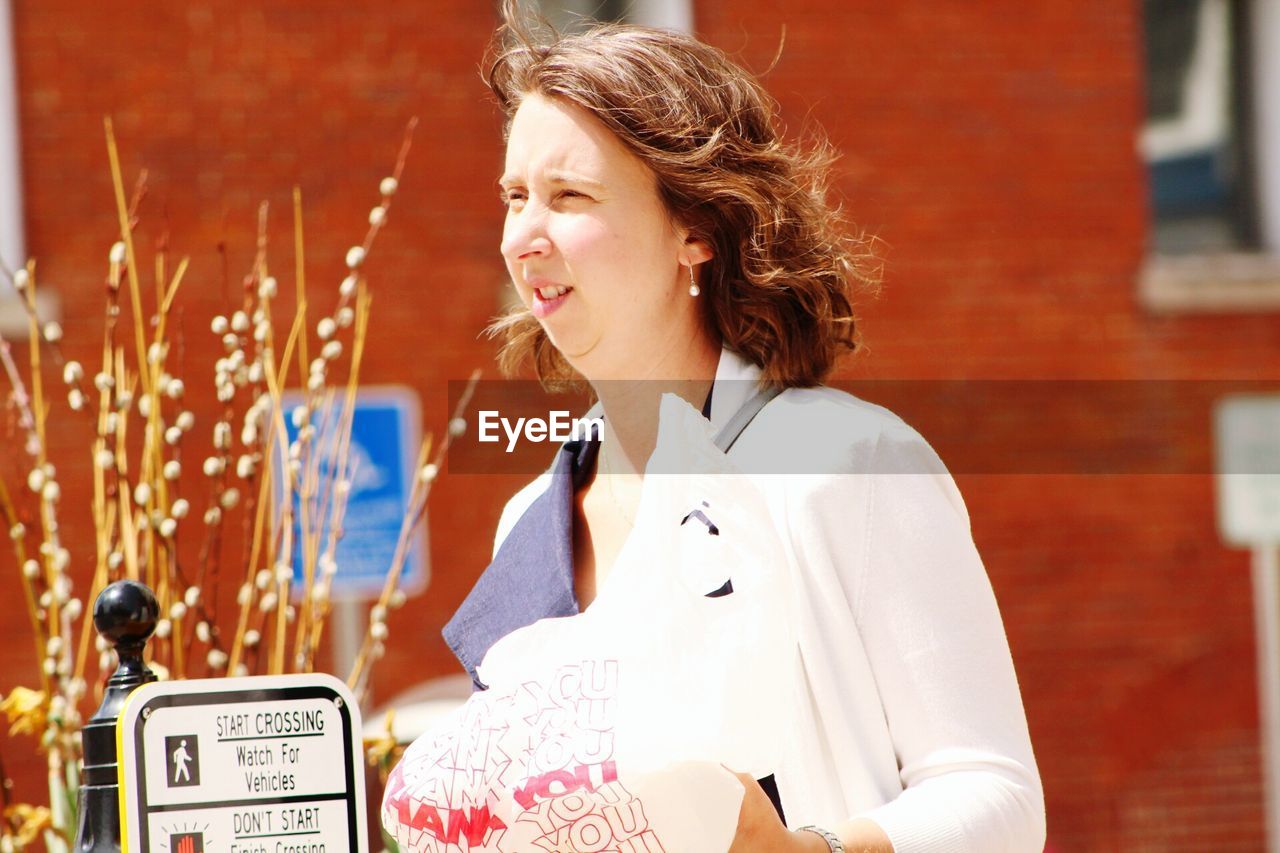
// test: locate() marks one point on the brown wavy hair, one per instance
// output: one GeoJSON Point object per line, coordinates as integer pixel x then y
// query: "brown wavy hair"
{"type": "Point", "coordinates": [778, 288]}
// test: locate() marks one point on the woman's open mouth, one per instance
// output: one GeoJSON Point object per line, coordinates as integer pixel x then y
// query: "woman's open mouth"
{"type": "Point", "coordinates": [548, 299]}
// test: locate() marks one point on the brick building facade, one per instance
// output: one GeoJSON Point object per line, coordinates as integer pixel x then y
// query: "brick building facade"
{"type": "Point", "coordinates": [990, 146]}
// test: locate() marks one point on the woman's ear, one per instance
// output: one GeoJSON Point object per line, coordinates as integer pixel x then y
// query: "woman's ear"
{"type": "Point", "coordinates": [695, 251]}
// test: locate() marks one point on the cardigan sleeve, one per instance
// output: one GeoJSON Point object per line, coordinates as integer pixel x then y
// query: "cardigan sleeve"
{"type": "Point", "coordinates": [934, 638]}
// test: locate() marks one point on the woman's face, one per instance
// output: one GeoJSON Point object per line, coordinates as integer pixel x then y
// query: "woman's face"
{"type": "Point", "coordinates": [589, 246]}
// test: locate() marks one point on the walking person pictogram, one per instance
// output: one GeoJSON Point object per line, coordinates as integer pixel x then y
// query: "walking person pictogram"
{"type": "Point", "coordinates": [180, 759]}
{"type": "Point", "coordinates": [182, 753]}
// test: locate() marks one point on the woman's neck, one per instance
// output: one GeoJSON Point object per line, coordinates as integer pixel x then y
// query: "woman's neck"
{"type": "Point", "coordinates": [631, 405]}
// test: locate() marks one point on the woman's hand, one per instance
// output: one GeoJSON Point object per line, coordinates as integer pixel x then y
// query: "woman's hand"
{"type": "Point", "coordinates": [760, 830]}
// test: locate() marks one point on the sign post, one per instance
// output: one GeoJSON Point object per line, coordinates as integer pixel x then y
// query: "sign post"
{"type": "Point", "coordinates": [1247, 439]}
{"type": "Point", "coordinates": [242, 765]}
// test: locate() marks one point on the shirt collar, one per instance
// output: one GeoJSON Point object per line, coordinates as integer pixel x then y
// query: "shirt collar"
{"type": "Point", "coordinates": [736, 381]}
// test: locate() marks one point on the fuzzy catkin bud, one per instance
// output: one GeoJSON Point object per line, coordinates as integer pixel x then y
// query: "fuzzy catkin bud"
{"type": "Point", "coordinates": [202, 632]}
{"type": "Point", "coordinates": [355, 257]}
{"type": "Point", "coordinates": [348, 286]}
{"type": "Point", "coordinates": [267, 289]}
{"type": "Point", "coordinates": [346, 316]}
{"type": "Point", "coordinates": [75, 399]}
{"type": "Point", "coordinates": [326, 327]}
{"type": "Point", "coordinates": [378, 216]}
{"type": "Point", "coordinates": [219, 325]}
{"type": "Point", "coordinates": [52, 332]}
{"type": "Point", "coordinates": [240, 322]}
{"type": "Point", "coordinates": [117, 253]}
{"type": "Point", "coordinates": [388, 186]}
{"type": "Point", "coordinates": [72, 372]}
{"type": "Point", "coordinates": [180, 508]}
{"type": "Point", "coordinates": [172, 470]}
{"type": "Point", "coordinates": [168, 527]}
{"type": "Point", "coordinates": [141, 494]}
{"type": "Point", "coordinates": [172, 435]}
{"type": "Point", "coordinates": [185, 421]}
{"type": "Point", "coordinates": [217, 658]}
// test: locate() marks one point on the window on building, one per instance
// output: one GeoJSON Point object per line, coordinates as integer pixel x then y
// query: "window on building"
{"type": "Point", "coordinates": [670, 14]}
{"type": "Point", "coordinates": [1211, 144]}
{"type": "Point", "coordinates": [12, 318]}
{"type": "Point", "coordinates": [1196, 139]}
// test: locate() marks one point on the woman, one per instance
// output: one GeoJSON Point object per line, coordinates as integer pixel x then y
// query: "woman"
{"type": "Point", "coordinates": [658, 229]}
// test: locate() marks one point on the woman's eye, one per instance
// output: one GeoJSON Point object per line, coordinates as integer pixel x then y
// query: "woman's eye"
{"type": "Point", "coordinates": [511, 197]}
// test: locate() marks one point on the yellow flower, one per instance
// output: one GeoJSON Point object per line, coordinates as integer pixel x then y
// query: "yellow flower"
{"type": "Point", "coordinates": [28, 820]}
{"type": "Point", "coordinates": [26, 709]}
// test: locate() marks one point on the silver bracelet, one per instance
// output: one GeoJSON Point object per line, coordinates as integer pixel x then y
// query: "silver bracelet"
{"type": "Point", "coordinates": [834, 843]}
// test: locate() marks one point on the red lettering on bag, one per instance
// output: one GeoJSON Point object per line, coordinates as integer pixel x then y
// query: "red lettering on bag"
{"type": "Point", "coordinates": [476, 823]}
{"type": "Point", "coordinates": [540, 786]}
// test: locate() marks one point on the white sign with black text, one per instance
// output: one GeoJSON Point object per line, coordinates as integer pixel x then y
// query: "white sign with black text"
{"type": "Point", "coordinates": [271, 764]}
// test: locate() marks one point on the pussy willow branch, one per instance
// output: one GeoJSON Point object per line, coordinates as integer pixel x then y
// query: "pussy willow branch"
{"type": "Point", "coordinates": [418, 507]}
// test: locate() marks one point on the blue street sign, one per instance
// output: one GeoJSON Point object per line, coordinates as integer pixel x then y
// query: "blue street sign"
{"type": "Point", "coordinates": [385, 435]}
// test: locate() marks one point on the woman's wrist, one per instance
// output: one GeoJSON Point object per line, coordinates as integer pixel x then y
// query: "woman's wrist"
{"type": "Point", "coordinates": [808, 841]}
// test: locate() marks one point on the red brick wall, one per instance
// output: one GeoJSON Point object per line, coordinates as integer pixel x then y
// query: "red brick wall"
{"type": "Point", "coordinates": [991, 147]}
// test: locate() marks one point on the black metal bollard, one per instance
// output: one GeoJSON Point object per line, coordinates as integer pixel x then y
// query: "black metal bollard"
{"type": "Point", "coordinates": [125, 613]}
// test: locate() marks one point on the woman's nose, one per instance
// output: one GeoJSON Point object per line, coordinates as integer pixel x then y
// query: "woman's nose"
{"type": "Point", "coordinates": [524, 237]}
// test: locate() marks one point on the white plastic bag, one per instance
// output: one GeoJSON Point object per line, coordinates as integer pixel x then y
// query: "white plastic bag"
{"type": "Point", "coordinates": [606, 731]}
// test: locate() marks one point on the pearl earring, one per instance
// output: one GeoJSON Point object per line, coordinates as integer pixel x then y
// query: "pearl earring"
{"type": "Point", "coordinates": [694, 290]}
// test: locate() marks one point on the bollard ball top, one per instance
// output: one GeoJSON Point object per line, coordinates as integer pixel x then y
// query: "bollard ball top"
{"type": "Point", "coordinates": [126, 612]}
